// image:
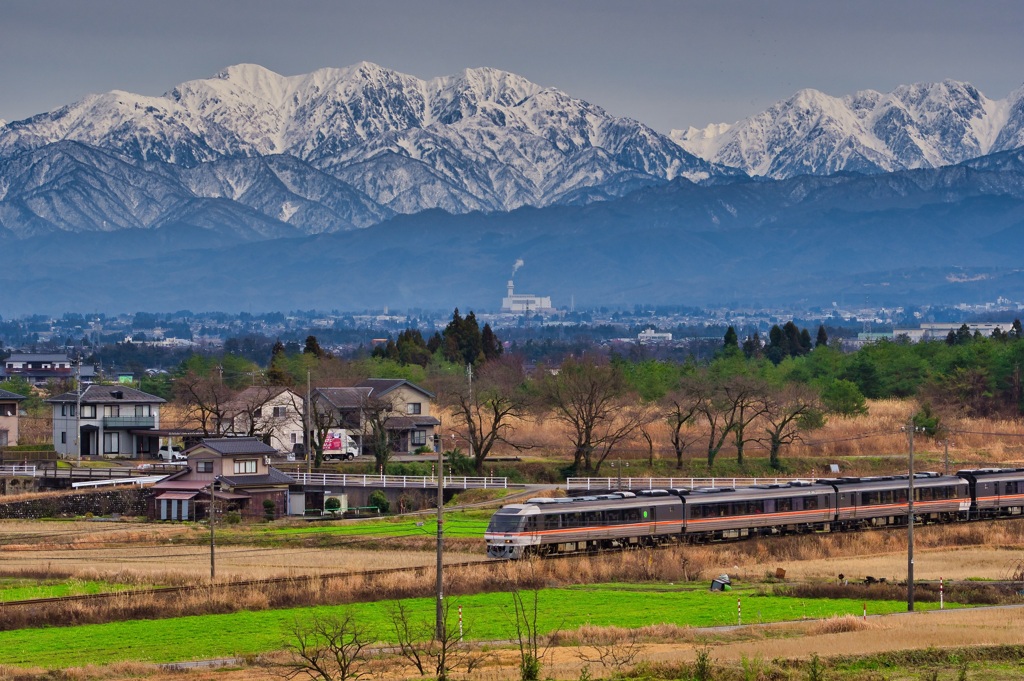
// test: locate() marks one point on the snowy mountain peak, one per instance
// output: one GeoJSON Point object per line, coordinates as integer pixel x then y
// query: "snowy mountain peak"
{"type": "Point", "coordinates": [921, 125]}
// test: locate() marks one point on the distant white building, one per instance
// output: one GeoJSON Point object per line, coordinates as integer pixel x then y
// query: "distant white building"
{"type": "Point", "coordinates": [939, 331]}
{"type": "Point", "coordinates": [648, 336]}
{"type": "Point", "coordinates": [524, 303]}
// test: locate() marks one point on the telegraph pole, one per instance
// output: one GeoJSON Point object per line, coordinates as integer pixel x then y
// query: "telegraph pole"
{"type": "Point", "coordinates": [213, 514]}
{"type": "Point", "coordinates": [307, 441]}
{"type": "Point", "coordinates": [439, 631]}
{"type": "Point", "coordinates": [78, 408]}
{"type": "Point", "coordinates": [910, 522]}
{"type": "Point", "coordinates": [469, 377]}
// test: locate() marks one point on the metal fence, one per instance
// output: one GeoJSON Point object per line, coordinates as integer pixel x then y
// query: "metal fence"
{"type": "Point", "coordinates": [410, 481]}
{"type": "Point", "coordinates": [634, 484]}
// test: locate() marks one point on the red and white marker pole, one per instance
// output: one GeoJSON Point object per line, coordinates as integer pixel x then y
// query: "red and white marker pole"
{"type": "Point", "coordinates": [942, 601]}
{"type": "Point", "coordinates": [865, 611]}
{"type": "Point", "coordinates": [460, 624]}
{"type": "Point", "coordinates": [739, 612]}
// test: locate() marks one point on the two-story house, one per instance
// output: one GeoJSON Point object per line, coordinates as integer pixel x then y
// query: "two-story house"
{"type": "Point", "coordinates": [404, 407]}
{"type": "Point", "coordinates": [273, 414]}
{"type": "Point", "coordinates": [39, 368]}
{"type": "Point", "coordinates": [239, 472]}
{"type": "Point", "coordinates": [9, 417]}
{"type": "Point", "coordinates": [115, 421]}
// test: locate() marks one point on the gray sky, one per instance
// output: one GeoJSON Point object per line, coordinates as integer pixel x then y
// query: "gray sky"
{"type": "Point", "coordinates": [669, 63]}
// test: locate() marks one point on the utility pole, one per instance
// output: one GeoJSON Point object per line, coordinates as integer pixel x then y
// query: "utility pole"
{"type": "Point", "coordinates": [439, 630]}
{"type": "Point", "coordinates": [946, 458]}
{"type": "Point", "coordinates": [78, 408]}
{"type": "Point", "coordinates": [910, 521]}
{"type": "Point", "coordinates": [307, 441]}
{"type": "Point", "coordinates": [213, 515]}
{"type": "Point", "coordinates": [469, 440]}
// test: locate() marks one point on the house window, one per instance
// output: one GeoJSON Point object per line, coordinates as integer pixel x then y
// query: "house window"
{"type": "Point", "coordinates": [245, 466]}
{"type": "Point", "coordinates": [295, 438]}
{"type": "Point", "coordinates": [204, 466]}
{"type": "Point", "coordinates": [419, 438]}
{"type": "Point", "coordinates": [142, 410]}
{"type": "Point", "coordinates": [257, 412]}
{"type": "Point", "coordinates": [111, 443]}
{"type": "Point", "coordinates": [63, 410]}
{"type": "Point", "coordinates": [64, 438]}
{"type": "Point", "coordinates": [112, 410]}
{"type": "Point", "coordinates": [88, 411]}
{"type": "Point", "coordinates": [7, 409]}
{"type": "Point", "coordinates": [280, 412]}
{"type": "Point", "coordinates": [413, 408]}
{"type": "Point", "coordinates": [3, 438]}
{"type": "Point", "coordinates": [71, 409]}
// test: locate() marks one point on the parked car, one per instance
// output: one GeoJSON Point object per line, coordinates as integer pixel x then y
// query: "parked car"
{"type": "Point", "coordinates": [171, 453]}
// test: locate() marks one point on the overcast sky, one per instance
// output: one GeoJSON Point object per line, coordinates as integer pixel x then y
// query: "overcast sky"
{"type": "Point", "coordinates": [669, 64]}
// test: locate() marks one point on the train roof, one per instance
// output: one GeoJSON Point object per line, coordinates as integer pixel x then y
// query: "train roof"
{"type": "Point", "coordinates": [590, 502]}
{"type": "Point", "coordinates": [992, 473]}
{"type": "Point", "coordinates": [884, 482]}
{"type": "Point", "coordinates": [711, 495]}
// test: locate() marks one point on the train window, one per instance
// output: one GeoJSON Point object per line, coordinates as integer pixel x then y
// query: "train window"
{"type": "Point", "coordinates": [900, 496]}
{"type": "Point", "coordinates": [869, 498]}
{"type": "Point", "coordinates": [613, 517]}
{"type": "Point", "coordinates": [924, 494]}
{"type": "Point", "coordinates": [551, 522]}
{"type": "Point", "coordinates": [784, 504]}
{"type": "Point", "coordinates": [1010, 487]}
{"type": "Point", "coordinates": [810, 503]}
{"type": "Point", "coordinates": [531, 524]}
{"type": "Point", "coordinates": [592, 518]}
{"type": "Point", "coordinates": [721, 510]}
{"type": "Point", "coordinates": [632, 515]}
{"type": "Point", "coordinates": [738, 508]}
{"type": "Point", "coordinates": [573, 520]}
{"type": "Point", "coordinates": [756, 507]}
{"type": "Point", "coordinates": [885, 497]}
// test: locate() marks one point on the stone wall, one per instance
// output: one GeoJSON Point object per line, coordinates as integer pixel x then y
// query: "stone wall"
{"type": "Point", "coordinates": [101, 502]}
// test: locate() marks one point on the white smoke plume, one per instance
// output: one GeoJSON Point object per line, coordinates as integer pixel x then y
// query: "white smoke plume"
{"type": "Point", "coordinates": [519, 263]}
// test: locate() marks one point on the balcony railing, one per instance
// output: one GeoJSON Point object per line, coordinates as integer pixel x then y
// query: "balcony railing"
{"type": "Point", "coordinates": [110, 422]}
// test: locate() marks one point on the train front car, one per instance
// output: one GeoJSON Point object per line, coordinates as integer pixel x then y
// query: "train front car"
{"type": "Point", "coordinates": [506, 534]}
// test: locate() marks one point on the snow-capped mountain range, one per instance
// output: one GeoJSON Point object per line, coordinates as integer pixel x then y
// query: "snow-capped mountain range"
{"type": "Point", "coordinates": [250, 154]}
{"type": "Point", "coordinates": [926, 125]}
{"type": "Point", "coordinates": [483, 140]}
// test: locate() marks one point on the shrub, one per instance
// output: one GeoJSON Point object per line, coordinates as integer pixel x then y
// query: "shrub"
{"type": "Point", "coordinates": [332, 504]}
{"type": "Point", "coordinates": [232, 517]}
{"type": "Point", "coordinates": [269, 509]}
{"type": "Point", "coordinates": [379, 500]}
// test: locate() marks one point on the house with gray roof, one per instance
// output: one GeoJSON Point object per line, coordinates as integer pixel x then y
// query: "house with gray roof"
{"type": "Point", "coordinates": [239, 471]}
{"type": "Point", "coordinates": [9, 409]}
{"type": "Point", "coordinates": [115, 421]}
{"type": "Point", "coordinates": [39, 368]}
{"type": "Point", "coordinates": [406, 408]}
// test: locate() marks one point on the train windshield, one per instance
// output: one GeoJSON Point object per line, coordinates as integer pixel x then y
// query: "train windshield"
{"type": "Point", "coordinates": [505, 522]}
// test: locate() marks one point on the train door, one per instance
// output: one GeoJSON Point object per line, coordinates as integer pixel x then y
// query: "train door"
{"type": "Point", "coordinates": [650, 519]}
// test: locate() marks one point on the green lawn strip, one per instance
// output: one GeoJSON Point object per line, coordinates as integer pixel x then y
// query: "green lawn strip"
{"type": "Point", "coordinates": [456, 525]}
{"type": "Point", "coordinates": [485, 617]}
{"type": "Point", "coordinates": [25, 589]}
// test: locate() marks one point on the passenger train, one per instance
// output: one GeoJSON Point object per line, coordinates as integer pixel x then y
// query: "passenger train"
{"type": "Point", "coordinates": [654, 517]}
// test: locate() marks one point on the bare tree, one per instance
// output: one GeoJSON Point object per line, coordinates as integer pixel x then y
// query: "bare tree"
{"type": "Point", "coordinates": [430, 651]}
{"type": "Point", "coordinates": [206, 402]}
{"type": "Point", "coordinates": [375, 412]}
{"type": "Point", "coordinates": [327, 648]}
{"type": "Point", "coordinates": [713, 407]}
{"type": "Point", "coordinates": [615, 650]}
{"type": "Point", "coordinates": [590, 398]}
{"type": "Point", "coordinates": [785, 414]}
{"type": "Point", "coordinates": [489, 408]}
{"type": "Point", "coordinates": [744, 398]}
{"type": "Point", "coordinates": [681, 410]}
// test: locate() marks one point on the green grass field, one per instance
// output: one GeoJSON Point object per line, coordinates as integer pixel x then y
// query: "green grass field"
{"type": "Point", "coordinates": [18, 589]}
{"type": "Point", "coordinates": [459, 524]}
{"type": "Point", "coordinates": [486, 617]}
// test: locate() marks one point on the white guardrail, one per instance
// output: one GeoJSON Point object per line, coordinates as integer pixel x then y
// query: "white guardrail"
{"type": "Point", "coordinates": [17, 469]}
{"type": "Point", "coordinates": [633, 484]}
{"type": "Point", "coordinates": [140, 481]}
{"type": "Point", "coordinates": [347, 480]}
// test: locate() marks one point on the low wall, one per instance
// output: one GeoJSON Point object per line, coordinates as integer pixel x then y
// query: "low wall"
{"type": "Point", "coordinates": [104, 502]}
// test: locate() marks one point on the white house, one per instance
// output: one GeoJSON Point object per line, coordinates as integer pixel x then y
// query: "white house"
{"type": "Point", "coordinates": [273, 414]}
{"type": "Point", "coordinates": [115, 421]}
